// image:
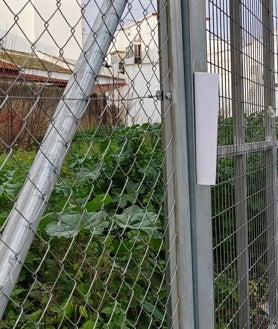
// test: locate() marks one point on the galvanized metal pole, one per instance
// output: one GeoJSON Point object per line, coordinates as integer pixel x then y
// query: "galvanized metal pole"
{"type": "Point", "coordinates": [271, 159]}
{"type": "Point", "coordinates": [25, 216]}
{"type": "Point", "coordinates": [241, 215]}
{"type": "Point", "coordinates": [195, 60]}
{"type": "Point", "coordinates": [181, 312]}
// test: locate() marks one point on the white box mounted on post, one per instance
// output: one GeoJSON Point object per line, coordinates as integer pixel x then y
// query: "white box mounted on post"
{"type": "Point", "coordinates": [206, 118]}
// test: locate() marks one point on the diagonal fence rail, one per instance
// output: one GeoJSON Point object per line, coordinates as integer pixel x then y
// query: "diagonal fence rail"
{"type": "Point", "coordinates": [97, 258]}
{"type": "Point", "coordinates": [25, 216]}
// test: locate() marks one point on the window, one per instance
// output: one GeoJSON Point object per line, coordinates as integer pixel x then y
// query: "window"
{"type": "Point", "coordinates": [129, 51]}
{"type": "Point", "coordinates": [122, 66]}
{"type": "Point", "coordinates": [135, 51]}
{"type": "Point", "coordinates": [137, 54]}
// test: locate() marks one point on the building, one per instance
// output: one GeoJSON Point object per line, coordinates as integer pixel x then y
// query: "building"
{"type": "Point", "coordinates": [252, 78]}
{"type": "Point", "coordinates": [134, 54]}
{"type": "Point", "coordinates": [35, 27]}
{"type": "Point", "coordinates": [31, 85]}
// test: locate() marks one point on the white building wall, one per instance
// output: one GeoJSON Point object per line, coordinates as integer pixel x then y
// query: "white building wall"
{"type": "Point", "coordinates": [253, 82]}
{"type": "Point", "coordinates": [219, 60]}
{"type": "Point", "coordinates": [142, 80]}
{"type": "Point", "coordinates": [48, 28]}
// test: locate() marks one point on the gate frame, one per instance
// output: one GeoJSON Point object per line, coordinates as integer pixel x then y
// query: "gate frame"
{"type": "Point", "coordinates": [188, 205]}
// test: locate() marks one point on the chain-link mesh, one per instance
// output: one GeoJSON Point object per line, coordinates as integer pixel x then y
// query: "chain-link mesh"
{"type": "Point", "coordinates": [240, 50]}
{"type": "Point", "coordinates": [97, 259]}
{"type": "Point", "coordinates": [86, 241]}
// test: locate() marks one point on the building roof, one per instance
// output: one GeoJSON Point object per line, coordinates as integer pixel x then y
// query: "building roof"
{"type": "Point", "coordinates": [44, 68]}
{"type": "Point", "coordinates": [23, 60]}
{"type": "Point", "coordinates": [138, 21]}
{"type": "Point", "coordinates": [7, 65]}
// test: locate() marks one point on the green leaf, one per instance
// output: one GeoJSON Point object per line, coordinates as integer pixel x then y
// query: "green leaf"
{"type": "Point", "coordinates": [36, 315]}
{"type": "Point", "coordinates": [136, 218]}
{"type": "Point", "coordinates": [18, 291]}
{"type": "Point", "coordinates": [88, 325]}
{"type": "Point", "coordinates": [152, 310]}
{"type": "Point", "coordinates": [70, 224]}
{"type": "Point", "coordinates": [132, 187]}
{"type": "Point", "coordinates": [83, 312]}
{"type": "Point", "coordinates": [45, 220]}
{"type": "Point", "coordinates": [55, 309]}
{"type": "Point", "coordinates": [108, 310]}
{"type": "Point", "coordinates": [66, 308]}
{"type": "Point", "coordinates": [125, 198]}
{"type": "Point", "coordinates": [89, 174]}
{"type": "Point", "coordinates": [98, 202]}
{"type": "Point", "coordinates": [3, 216]}
{"type": "Point", "coordinates": [119, 320]}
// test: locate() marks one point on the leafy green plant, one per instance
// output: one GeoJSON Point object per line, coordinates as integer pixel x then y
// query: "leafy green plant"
{"type": "Point", "coordinates": [106, 216]}
{"type": "Point", "coordinates": [224, 221]}
{"type": "Point", "coordinates": [98, 258]}
{"type": "Point", "coordinates": [226, 297]}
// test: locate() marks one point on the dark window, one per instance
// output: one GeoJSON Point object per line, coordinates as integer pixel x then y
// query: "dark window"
{"type": "Point", "coordinates": [135, 51]}
{"type": "Point", "coordinates": [122, 66]}
{"type": "Point", "coordinates": [137, 54]}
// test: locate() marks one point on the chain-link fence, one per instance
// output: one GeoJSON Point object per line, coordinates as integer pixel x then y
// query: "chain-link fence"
{"type": "Point", "coordinates": [103, 224]}
{"type": "Point", "coordinates": [97, 255]}
{"type": "Point", "coordinates": [240, 50]}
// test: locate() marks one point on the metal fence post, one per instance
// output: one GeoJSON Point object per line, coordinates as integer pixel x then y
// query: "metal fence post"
{"type": "Point", "coordinates": [190, 225]}
{"type": "Point", "coordinates": [241, 216]}
{"type": "Point", "coordinates": [195, 59]}
{"type": "Point", "coordinates": [177, 203]}
{"type": "Point", "coordinates": [271, 158]}
{"type": "Point", "coordinates": [25, 216]}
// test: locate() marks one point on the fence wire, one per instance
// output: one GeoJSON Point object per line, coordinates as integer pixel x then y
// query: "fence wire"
{"type": "Point", "coordinates": [100, 232]}
{"type": "Point", "coordinates": [240, 49]}
{"type": "Point", "coordinates": [97, 259]}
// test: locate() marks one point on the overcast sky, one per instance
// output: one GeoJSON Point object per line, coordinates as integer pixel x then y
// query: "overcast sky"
{"type": "Point", "coordinates": [134, 10]}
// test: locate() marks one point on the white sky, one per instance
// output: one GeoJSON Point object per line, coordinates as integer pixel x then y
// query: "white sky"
{"type": "Point", "coordinates": [134, 10]}
{"type": "Point", "coordinates": [30, 26]}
